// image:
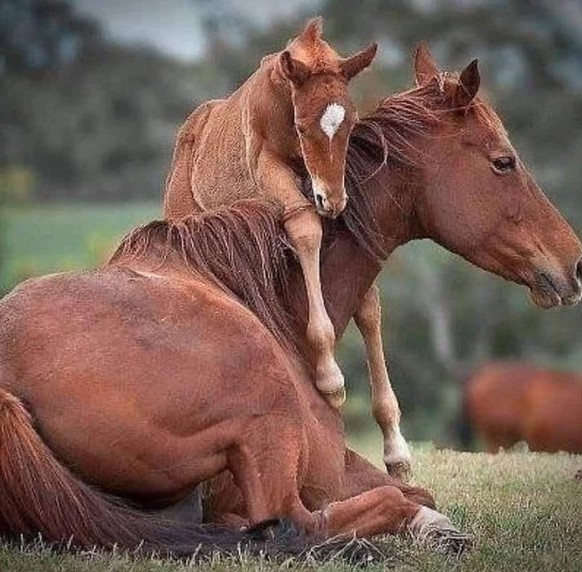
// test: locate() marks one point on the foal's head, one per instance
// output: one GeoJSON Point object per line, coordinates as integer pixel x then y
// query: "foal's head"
{"type": "Point", "coordinates": [480, 200]}
{"type": "Point", "coordinates": [323, 111]}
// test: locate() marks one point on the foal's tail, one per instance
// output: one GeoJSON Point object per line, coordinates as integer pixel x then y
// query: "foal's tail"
{"type": "Point", "coordinates": [38, 495]}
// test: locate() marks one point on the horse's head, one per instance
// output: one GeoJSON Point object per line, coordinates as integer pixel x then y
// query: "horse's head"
{"type": "Point", "coordinates": [323, 111]}
{"type": "Point", "coordinates": [481, 202]}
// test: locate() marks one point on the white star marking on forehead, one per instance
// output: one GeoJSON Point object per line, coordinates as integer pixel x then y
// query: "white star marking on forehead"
{"type": "Point", "coordinates": [332, 118]}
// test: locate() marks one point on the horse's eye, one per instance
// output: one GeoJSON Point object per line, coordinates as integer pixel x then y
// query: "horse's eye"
{"type": "Point", "coordinates": [503, 165]}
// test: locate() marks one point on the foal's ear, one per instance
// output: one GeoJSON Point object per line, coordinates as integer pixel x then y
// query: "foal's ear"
{"type": "Point", "coordinates": [425, 67]}
{"type": "Point", "coordinates": [468, 86]}
{"type": "Point", "coordinates": [313, 29]}
{"type": "Point", "coordinates": [353, 65]}
{"type": "Point", "coordinates": [294, 70]}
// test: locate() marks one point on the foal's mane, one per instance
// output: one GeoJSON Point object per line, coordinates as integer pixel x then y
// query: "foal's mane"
{"type": "Point", "coordinates": [241, 249]}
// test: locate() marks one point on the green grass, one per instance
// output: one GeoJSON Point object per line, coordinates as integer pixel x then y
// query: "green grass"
{"type": "Point", "coordinates": [51, 238]}
{"type": "Point", "coordinates": [524, 511]}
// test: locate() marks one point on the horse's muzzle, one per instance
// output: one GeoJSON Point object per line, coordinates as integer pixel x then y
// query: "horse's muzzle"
{"type": "Point", "coordinates": [557, 288]}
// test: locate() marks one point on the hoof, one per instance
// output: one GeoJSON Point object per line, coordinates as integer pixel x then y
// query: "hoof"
{"type": "Point", "coordinates": [336, 399]}
{"type": "Point", "coordinates": [400, 470]}
{"type": "Point", "coordinates": [331, 384]}
{"type": "Point", "coordinates": [437, 531]}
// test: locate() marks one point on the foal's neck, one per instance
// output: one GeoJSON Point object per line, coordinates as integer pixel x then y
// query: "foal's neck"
{"type": "Point", "coordinates": [267, 96]}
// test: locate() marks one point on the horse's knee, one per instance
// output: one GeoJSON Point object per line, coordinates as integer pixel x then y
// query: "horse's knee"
{"type": "Point", "coordinates": [305, 230]}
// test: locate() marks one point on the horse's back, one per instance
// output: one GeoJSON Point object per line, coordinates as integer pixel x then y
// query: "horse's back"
{"type": "Point", "coordinates": [211, 160]}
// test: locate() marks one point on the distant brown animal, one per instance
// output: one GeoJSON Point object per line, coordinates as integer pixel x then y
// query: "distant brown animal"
{"type": "Point", "coordinates": [293, 112]}
{"type": "Point", "coordinates": [175, 362]}
{"type": "Point", "coordinates": [511, 402]}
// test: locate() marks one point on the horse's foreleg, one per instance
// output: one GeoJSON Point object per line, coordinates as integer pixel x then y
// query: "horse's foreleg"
{"type": "Point", "coordinates": [386, 510]}
{"type": "Point", "coordinates": [385, 406]}
{"type": "Point", "coordinates": [305, 232]}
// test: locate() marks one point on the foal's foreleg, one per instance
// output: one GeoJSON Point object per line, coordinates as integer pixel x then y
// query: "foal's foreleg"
{"type": "Point", "coordinates": [305, 232]}
{"type": "Point", "coordinates": [385, 406]}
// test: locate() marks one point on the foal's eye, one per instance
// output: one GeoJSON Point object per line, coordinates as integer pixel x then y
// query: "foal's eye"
{"type": "Point", "coordinates": [503, 165]}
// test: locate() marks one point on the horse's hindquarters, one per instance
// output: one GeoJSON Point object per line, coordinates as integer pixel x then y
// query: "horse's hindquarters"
{"type": "Point", "coordinates": [138, 383]}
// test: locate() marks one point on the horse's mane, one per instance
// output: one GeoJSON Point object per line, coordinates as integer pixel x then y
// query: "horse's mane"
{"type": "Point", "coordinates": [241, 249]}
{"type": "Point", "coordinates": [384, 139]}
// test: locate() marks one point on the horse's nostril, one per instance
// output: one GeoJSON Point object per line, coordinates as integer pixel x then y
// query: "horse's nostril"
{"type": "Point", "coordinates": [319, 201]}
{"type": "Point", "coordinates": [579, 271]}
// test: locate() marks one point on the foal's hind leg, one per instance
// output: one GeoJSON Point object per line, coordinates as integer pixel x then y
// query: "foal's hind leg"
{"type": "Point", "coordinates": [385, 406]}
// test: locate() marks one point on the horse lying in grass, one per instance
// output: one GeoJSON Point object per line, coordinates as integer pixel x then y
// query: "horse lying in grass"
{"type": "Point", "coordinates": [510, 402]}
{"type": "Point", "coordinates": [294, 110]}
{"type": "Point", "coordinates": [176, 361]}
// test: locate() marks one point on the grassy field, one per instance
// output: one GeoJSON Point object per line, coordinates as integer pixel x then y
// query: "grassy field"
{"type": "Point", "coordinates": [524, 511]}
{"type": "Point", "coordinates": [50, 238]}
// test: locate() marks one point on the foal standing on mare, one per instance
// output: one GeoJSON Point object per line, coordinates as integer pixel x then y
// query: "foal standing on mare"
{"type": "Point", "coordinates": [292, 115]}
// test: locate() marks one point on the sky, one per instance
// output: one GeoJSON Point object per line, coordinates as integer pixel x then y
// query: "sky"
{"type": "Point", "coordinates": [174, 26]}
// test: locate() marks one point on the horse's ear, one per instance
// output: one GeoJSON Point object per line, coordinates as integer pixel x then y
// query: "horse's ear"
{"type": "Point", "coordinates": [313, 29]}
{"type": "Point", "coordinates": [353, 65]}
{"type": "Point", "coordinates": [425, 67]}
{"type": "Point", "coordinates": [294, 70]}
{"type": "Point", "coordinates": [468, 86]}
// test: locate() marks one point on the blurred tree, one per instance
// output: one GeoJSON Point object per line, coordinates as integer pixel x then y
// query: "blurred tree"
{"type": "Point", "coordinates": [40, 35]}
{"type": "Point", "coordinates": [88, 119]}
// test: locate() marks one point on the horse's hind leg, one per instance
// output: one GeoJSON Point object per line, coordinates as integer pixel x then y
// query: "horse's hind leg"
{"type": "Point", "coordinates": [385, 406]}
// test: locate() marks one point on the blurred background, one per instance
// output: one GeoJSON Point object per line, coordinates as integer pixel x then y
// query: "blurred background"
{"type": "Point", "coordinates": [93, 91]}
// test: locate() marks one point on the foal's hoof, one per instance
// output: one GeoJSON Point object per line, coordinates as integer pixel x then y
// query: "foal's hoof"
{"type": "Point", "coordinates": [400, 470]}
{"type": "Point", "coordinates": [331, 384]}
{"type": "Point", "coordinates": [336, 399]}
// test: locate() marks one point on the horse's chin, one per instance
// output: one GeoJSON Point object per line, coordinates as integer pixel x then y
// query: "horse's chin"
{"type": "Point", "coordinates": [545, 299]}
{"type": "Point", "coordinates": [548, 291]}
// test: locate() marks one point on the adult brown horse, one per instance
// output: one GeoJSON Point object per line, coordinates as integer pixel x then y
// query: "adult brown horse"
{"type": "Point", "coordinates": [294, 110]}
{"type": "Point", "coordinates": [510, 402]}
{"type": "Point", "coordinates": [184, 381]}
{"type": "Point", "coordinates": [149, 376]}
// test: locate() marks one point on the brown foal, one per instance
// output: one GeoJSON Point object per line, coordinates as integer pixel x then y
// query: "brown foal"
{"type": "Point", "coordinates": [293, 115]}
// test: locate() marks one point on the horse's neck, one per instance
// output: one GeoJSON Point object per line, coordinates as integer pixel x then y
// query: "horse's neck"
{"type": "Point", "coordinates": [347, 271]}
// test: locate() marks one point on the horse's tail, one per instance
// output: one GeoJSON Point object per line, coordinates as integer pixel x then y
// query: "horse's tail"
{"type": "Point", "coordinates": [38, 495]}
